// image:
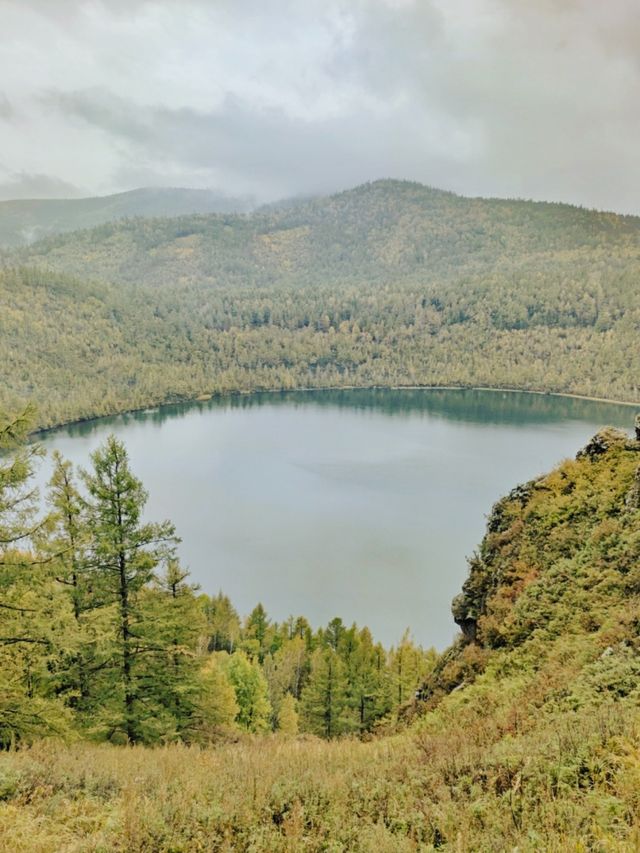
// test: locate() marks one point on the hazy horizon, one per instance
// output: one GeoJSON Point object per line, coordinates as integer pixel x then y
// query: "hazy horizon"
{"type": "Point", "coordinates": [480, 97]}
{"type": "Point", "coordinates": [255, 205]}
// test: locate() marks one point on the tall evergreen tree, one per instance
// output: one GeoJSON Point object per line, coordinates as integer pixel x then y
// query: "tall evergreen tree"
{"type": "Point", "coordinates": [325, 702]}
{"type": "Point", "coordinates": [67, 542]}
{"type": "Point", "coordinates": [126, 554]}
{"type": "Point", "coordinates": [32, 616]}
{"type": "Point", "coordinates": [175, 628]}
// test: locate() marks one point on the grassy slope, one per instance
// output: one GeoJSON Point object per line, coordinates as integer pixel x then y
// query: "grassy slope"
{"type": "Point", "coordinates": [530, 736]}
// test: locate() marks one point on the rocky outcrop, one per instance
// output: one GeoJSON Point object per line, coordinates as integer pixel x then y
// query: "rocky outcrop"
{"type": "Point", "coordinates": [465, 615]}
{"type": "Point", "coordinates": [602, 442]}
{"type": "Point", "coordinates": [484, 576]}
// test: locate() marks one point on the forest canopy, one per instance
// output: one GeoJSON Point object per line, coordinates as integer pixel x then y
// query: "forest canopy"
{"type": "Point", "coordinates": [392, 283]}
{"type": "Point", "coordinates": [102, 636]}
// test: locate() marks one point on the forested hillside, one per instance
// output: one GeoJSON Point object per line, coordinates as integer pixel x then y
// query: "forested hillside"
{"type": "Point", "coordinates": [25, 220]}
{"type": "Point", "coordinates": [525, 734]}
{"type": "Point", "coordinates": [392, 283]}
{"type": "Point", "coordinates": [102, 636]}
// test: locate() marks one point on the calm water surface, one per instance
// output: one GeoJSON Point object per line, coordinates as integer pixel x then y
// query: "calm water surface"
{"type": "Point", "coordinates": [361, 504]}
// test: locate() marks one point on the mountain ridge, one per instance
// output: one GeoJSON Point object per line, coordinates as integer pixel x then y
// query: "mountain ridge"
{"type": "Point", "coordinates": [23, 221]}
{"type": "Point", "coordinates": [388, 284]}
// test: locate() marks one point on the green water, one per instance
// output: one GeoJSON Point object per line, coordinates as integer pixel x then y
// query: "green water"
{"type": "Point", "coordinates": [361, 504]}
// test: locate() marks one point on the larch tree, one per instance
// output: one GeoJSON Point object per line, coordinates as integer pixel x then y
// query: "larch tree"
{"type": "Point", "coordinates": [257, 633]}
{"type": "Point", "coordinates": [126, 555]}
{"type": "Point", "coordinates": [223, 622]}
{"type": "Point", "coordinates": [176, 627]}
{"type": "Point", "coordinates": [67, 541]}
{"type": "Point", "coordinates": [33, 619]}
{"type": "Point", "coordinates": [325, 701]}
{"type": "Point", "coordinates": [288, 715]}
{"type": "Point", "coordinates": [217, 708]}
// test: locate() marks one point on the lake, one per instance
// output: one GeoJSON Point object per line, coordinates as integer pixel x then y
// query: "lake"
{"type": "Point", "coordinates": [361, 504]}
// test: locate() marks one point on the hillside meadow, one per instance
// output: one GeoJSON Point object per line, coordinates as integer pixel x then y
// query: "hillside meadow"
{"type": "Point", "coordinates": [524, 735]}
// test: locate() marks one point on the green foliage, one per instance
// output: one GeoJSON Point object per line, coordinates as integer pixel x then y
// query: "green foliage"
{"type": "Point", "coordinates": [526, 736]}
{"type": "Point", "coordinates": [103, 633]}
{"type": "Point", "coordinates": [30, 613]}
{"type": "Point", "coordinates": [388, 284]}
{"type": "Point", "coordinates": [288, 719]}
{"type": "Point", "coordinates": [250, 685]}
{"type": "Point", "coordinates": [324, 702]}
{"type": "Point", "coordinates": [223, 623]}
{"type": "Point", "coordinates": [217, 707]}
{"type": "Point", "coordinates": [125, 555]}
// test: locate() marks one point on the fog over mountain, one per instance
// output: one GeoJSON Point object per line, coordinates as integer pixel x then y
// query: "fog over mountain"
{"type": "Point", "coordinates": [489, 97]}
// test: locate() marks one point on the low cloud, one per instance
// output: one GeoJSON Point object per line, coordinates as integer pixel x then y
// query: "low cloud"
{"type": "Point", "coordinates": [491, 97]}
{"type": "Point", "coordinates": [23, 185]}
{"type": "Point", "coordinates": [267, 152]}
{"type": "Point", "coordinates": [7, 112]}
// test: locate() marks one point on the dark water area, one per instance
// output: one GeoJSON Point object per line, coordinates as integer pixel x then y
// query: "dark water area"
{"type": "Point", "coordinates": [362, 504]}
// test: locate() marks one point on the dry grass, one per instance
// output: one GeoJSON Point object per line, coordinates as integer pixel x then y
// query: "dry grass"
{"type": "Point", "coordinates": [485, 772]}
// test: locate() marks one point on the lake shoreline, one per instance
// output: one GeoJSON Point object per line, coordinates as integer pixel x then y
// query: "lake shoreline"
{"type": "Point", "coordinates": [205, 398]}
{"type": "Point", "coordinates": [338, 503]}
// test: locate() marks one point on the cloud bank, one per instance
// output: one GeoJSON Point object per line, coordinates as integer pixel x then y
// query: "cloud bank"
{"type": "Point", "coordinates": [484, 97]}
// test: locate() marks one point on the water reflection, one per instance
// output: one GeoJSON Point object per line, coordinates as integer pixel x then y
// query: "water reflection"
{"type": "Point", "coordinates": [362, 504]}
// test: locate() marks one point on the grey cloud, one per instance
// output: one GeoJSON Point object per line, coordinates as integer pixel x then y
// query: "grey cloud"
{"type": "Point", "coordinates": [23, 186]}
{"type": "Point", "coordinates": [266, 152]}
{"type": "Point", "coordinates": [7, 112]}
{"type": "Point", "coordinates": [493, 97]}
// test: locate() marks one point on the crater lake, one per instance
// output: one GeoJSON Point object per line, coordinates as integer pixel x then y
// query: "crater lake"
{"type": "Point", "coordinates": [362, 504]}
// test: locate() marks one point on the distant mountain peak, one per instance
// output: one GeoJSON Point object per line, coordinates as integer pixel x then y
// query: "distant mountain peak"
{"type": "Point", "coordinates": [24, 221]}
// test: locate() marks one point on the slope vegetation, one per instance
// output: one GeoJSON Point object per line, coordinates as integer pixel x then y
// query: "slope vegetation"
{"type": "Point", "coordinates": [526, 735]}
{"type": "Point", "coordinates": [25, 220]}
{"type": "Point", "coordinates": [391, 283]}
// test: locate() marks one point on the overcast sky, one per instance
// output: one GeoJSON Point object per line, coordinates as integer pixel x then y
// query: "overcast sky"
{"type": "Point", "coordinates": [273, 98]}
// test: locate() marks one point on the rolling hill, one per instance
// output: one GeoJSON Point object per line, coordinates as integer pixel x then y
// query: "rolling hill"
{"type": "Point", "coordinates": [391, 283]}
{"type": "Point", "coordinates": [26, 220]}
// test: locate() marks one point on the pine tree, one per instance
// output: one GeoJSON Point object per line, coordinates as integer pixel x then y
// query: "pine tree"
{"type": "Point", "coordinates": [33, 619]}
{"type": "Point", "coordinates": [175, 628]}
{"type": "Point", "coordinates": [324, 703]}
{"type": "Point", "coordinates": [126, 554]}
